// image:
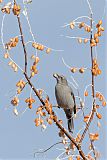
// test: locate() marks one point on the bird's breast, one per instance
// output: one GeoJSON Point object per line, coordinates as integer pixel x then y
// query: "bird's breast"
{"type": "Point", "coordinates": [63, 96]}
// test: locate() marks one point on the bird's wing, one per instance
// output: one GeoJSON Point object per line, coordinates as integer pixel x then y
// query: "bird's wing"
{"type": "Point", "coordinates": [72, 94]}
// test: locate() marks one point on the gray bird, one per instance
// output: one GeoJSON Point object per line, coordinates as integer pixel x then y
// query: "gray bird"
{"type": "Point", "coordinates": [65, 99]}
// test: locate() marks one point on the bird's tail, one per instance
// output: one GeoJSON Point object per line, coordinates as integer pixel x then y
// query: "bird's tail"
{"type": "Point", "coordinates": [68, 113]}
{"type": "Point", "coordinates": [70, 125]}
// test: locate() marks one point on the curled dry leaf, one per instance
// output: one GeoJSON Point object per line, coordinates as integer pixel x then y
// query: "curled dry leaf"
{"type": "Point", "coordinates": [86, 93]}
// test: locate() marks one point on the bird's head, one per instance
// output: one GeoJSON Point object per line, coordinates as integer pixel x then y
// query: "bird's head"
{"type": "Point", "coordinates": [60, 79]}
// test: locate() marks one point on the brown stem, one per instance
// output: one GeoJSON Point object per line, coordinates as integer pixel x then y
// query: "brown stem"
{"type": "Point", "coordinates": [93, 92]}
{"type": "Point", "coordinates": [22, 40]}
{"type": "Point", "coordinates": [23, 44]}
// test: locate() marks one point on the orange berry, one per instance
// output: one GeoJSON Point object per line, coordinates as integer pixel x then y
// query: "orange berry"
{"type": "Point", "coordinates": [88, 29]}
{"type": "Point", "coordinates": [94, 61]}
{"type": "Point", "coordinates": [97, 25]}
{"type": "Point", "coordinates": [19, 91]}
{"type": "Point", "coordinates": [99, 34]}
{"type": "Point", "coordinates": [99, 29]}
{"type": "Point", "coordinates": [85, 40]}
{"type": "Point", "coordinates": [16, 9]}
{"type": "Point", "coordinates": [97, 106]}
{"type": "Point", "coordinates": [37, 59]}
{"type": "Point", "coordinates": [101, 97]}
{"type": "Point", "coordinates": [82, 24]}
{"type": "Point", "coordinates": [102, 29]}
{"type": "Point", "coordinates": [99, 116]}
{"type": "Point", "coordinates": [99, 71]}
{"type": "Point", "coordinates": [98, 124]}
{"type": "Point", "coordinates": [42, 47]}
{"type": "Point", "coordinates": [30, 106]}
{"type": "Point", "coordinates": [79, 40]}
{"type": "Point", "coordinates": [81, 70]}
{"type": "Point", "coordinates": [7, 10]}
{"type": "Point", "coordinates": [16, 39]}
{"type": "Point", "coordinates": [39, 47]}
{"type": "Point", "coordinates": [97, 40]}
{"type": "Point", "coordinates": [32, 74]}
{"type": "Point", "coordinates": [92, 40]}
{"type": "Point", "coordinates": [86, 93]}
{"type": "Point", "coordinates": [97, 95]}
{"type": "Point", "coordinates": [48, 50]}
{"type": "Point", "coordinates": [86, 118]}
{"type": "Point", "coordinates": [73, 70]}
{"type": "Point", "coordinates": [72, 25]}
{"type": "Point", "coordinates": [6, 55]}
{"type": "Point", "coordinates": [13, 44]}
{"type": "Point", "coordinates": [94, 72]}
{"type": "Point", "coordinates": [104, 103]}
{"type": "Point", "coordinates": [70, 158]}
{"type": "Point", "coordinates": [100, 22]}
{"type": "Point", "coordinates": [33, 67]}
{"type": "Point", "coordinates": [78, 158]}
{"type": "Point", "coordinates": [49, 121]}
{"type": "Point", "coordinates": [95, 35]}
{"type": "Point", "coordinates": [95, 66]}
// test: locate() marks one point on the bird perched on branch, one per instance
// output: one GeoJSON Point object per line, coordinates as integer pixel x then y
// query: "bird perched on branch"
{"type": "Point", "coordinates": [65, 99]}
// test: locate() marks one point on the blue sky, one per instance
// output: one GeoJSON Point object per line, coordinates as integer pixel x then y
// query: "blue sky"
{"type": "Point", "coordinates": [19, 136]}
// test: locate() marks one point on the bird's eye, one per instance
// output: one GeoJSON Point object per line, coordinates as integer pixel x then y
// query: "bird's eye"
{"type": "Point", "coordinates": [62, 78]}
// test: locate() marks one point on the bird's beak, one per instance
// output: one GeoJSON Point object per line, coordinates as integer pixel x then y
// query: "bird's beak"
{"type": "Point", "coordinates": [55, 75]}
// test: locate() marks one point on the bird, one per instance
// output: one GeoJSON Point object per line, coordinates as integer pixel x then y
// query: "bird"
{"type": "Point", "coordinates": [65, 99]}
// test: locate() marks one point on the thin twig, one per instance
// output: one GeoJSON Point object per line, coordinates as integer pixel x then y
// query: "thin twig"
{"type": "Point", "coordinates": [93, 105]}
{"type": "Point", "coordinates": [90, 7]}
{"type": "Point", "coordinates": [44, 151]}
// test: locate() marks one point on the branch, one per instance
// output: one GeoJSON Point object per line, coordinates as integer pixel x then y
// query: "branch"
{"type": "Point", "coordinates": [47, 148]}
{"type": "Point", "coordinates": [93, 94]}
{"type": "Point", "coordinates": [22, 40]}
